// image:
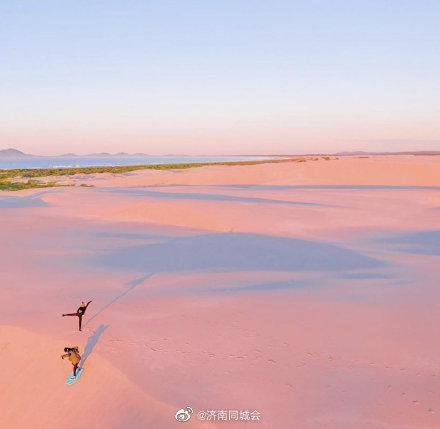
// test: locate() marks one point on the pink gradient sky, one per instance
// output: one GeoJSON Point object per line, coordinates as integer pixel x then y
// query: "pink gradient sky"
{"type": "Point", "coordinates": [230, 77]}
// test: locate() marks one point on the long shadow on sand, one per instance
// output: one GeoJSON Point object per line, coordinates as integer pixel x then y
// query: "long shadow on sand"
{"type": "Point", "coordinates": [131, 285]}
{"type": "Point", "coordinates": [335, 187]}
{"type": "Point", "coordinates": [91, 343]}
{"type": "Point", "coordinates": [418, 243]}
{"type": "Point", "coordinates": [235, 252]}
{"type": "Point", "coordinates": [144, 192]}
{"type": "Point", "coordinates": [23, 202]}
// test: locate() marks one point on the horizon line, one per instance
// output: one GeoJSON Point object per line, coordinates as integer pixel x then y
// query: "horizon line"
{"type": "Point", "coordinates": [140, 154]}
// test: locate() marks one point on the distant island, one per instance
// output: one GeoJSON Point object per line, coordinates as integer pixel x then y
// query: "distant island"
{"type": "Point", "coordinates": [361, 153]}
{"type": "Point", "coordinates": [15, 153]}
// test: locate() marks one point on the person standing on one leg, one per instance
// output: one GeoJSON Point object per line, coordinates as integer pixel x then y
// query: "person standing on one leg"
{"type": "Point", "coordinates": [80, 312]}
{"type": "Point", "coordinates": [73, 354]}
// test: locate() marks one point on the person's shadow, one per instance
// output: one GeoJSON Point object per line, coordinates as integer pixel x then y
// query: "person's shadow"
{"type": "Point", "coordinates": [91, 343]}
{"type": "Point", "coordinates": [131, 285]}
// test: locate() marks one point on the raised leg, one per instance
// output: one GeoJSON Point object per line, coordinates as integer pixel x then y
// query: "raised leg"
{"type": "Point", "coordinates": [70, 314]}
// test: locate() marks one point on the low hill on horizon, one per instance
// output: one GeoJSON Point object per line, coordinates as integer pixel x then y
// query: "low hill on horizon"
{"type": "Point", "coordinates": [13, 153]}
{"type": "Point", "coordinates": [412, 152]}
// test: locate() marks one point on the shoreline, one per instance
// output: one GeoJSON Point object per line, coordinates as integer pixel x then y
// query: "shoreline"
{"type": "Point", "coordinates": [10, 179]}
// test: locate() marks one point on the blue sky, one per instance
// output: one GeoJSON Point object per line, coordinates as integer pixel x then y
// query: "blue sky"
{"type": "Point", "coordinates": [219, 77]}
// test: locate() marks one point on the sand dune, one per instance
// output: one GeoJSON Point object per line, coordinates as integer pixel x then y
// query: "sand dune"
{"type": "Point", "coordinates": [33, 392]}
{"type": "Point", "coordinates": [305, 291]}
{"type": "Point", "coordinates": [403, 170]}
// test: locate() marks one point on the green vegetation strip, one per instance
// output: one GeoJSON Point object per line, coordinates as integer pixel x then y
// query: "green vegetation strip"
{"type": "Point", "coordinates": [7, 185]}
{"type": "Point", "coordinates": [11, 179]}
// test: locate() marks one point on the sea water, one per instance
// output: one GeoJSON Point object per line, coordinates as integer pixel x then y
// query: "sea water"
{"type": "Point", "coordinates": [107, 161]}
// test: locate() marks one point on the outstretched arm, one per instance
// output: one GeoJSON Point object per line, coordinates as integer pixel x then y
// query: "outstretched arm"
{"type": "Point", "coordinates": [63, 356]}
{"type": "Point", "coordinates": [88, 303]}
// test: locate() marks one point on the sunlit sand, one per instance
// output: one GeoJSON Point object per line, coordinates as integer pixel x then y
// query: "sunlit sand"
{"type": "Point", "coordinates": [306, 291]}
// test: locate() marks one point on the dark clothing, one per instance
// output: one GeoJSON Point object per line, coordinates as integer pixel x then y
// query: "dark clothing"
{"type": "Point", "coordinates": [80, 316]}
{"type": "Point", "coordinates": [80, 313]}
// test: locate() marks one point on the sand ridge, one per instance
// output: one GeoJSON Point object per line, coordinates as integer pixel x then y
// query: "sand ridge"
{"type": "Point", "coordinates": [307, 291]}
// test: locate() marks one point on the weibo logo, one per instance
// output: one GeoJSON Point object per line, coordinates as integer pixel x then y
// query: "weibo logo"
{"type": "Point", "coordinates": [184, 414]}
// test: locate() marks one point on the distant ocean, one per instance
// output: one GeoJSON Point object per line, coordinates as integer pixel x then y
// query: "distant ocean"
{"type": "Point", "coordinates": [106, 161]}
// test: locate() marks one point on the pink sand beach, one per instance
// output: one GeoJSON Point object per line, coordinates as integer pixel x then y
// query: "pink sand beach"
{"type": "Point", "coordinates": [304, 292]}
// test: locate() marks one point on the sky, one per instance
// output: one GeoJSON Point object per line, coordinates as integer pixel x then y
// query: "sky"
{"type": "Point", "coordinates": [219, 76]}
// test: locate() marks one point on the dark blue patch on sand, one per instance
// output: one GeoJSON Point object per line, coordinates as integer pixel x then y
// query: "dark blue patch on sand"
{"type": "Point", "coordinates": [235, 252]}
{"type": "Point", "coordinates": [419, 243]}
{"type": "Point", "coordinates": [363, 276]}
{"type": "Point", "coordinates": [145, 192]}
{"type": "Point", "coordinates": [22, 202]}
